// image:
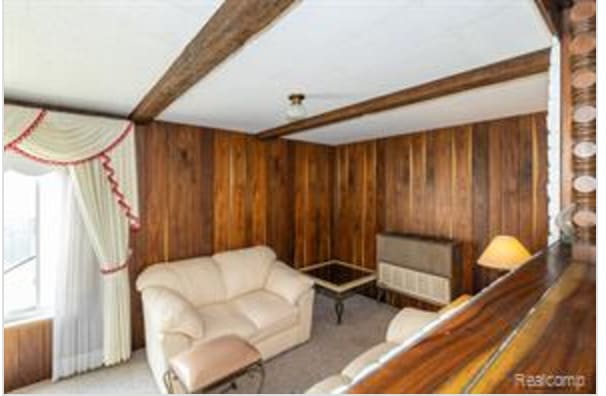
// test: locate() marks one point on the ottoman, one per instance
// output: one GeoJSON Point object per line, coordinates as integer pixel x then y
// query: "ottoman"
{"type": "Point", "coordinates": [213, 363]}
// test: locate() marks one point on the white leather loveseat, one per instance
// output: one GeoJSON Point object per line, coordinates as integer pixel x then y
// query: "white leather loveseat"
{"type": "Point", "coordinates": [406, 324]}
{"type": "Point", "coordinates": [245, 292]}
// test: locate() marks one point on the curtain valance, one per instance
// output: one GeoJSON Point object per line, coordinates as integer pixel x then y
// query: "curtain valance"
{"type": "Point", "coordinates": [57, 138]}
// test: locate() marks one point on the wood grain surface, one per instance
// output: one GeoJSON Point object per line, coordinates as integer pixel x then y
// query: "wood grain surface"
{"type": "Point", "coordinates": [539, 319]}
{"type": "Point", "coordinates": [469, 182]}
{"type": "Point", "coordinates": [27, 353]}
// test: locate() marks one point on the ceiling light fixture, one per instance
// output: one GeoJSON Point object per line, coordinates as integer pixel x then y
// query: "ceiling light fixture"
{"type": "Point", "coordinates": [296, 110]}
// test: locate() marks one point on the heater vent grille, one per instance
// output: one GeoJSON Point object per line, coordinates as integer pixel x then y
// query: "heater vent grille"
{"type": "Point", "coordinates": [428, 287]}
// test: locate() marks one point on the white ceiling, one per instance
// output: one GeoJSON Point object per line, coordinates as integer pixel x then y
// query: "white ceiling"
{"type": "Point", "coordinates": [94, 54]}
{"type": "Point", "coordinates": [106, 54]}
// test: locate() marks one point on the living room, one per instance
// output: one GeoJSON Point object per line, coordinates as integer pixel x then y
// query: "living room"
{"type": "Point", "coordinates": [279, 196]}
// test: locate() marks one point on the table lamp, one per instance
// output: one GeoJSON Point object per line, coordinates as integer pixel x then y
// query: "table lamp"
{"type": "Point", "coordinates": [504, 253]}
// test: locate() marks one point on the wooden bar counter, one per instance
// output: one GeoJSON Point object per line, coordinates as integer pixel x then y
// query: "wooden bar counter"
{"type": "Point", "coordinates": [533, 331]}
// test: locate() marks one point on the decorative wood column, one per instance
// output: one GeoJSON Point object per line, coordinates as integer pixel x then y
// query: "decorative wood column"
{"type": "Point", "coordinates": [579, 24]}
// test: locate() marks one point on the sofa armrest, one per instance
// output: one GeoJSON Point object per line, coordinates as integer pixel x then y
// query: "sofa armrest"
{"type": "Point", "coordinates": [287, 282]}
{"type": "Point", "coordinates": [172, 313]}
{"type": "Point", "coordinates": [407, 323]}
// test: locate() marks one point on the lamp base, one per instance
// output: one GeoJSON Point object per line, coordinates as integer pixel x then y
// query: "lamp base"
{"type": "Point", "coordinates": [484, 276]}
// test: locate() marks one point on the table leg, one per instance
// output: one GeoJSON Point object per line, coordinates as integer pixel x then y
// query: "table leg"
{"type": "Point", "coordinates": [168, 378]}
{"type": "Point", "coordinates": [380, 294]}
{"type": "Point", "coordinates": [339, 309]}
{"type": "Point", "coordinates": [261, 370]}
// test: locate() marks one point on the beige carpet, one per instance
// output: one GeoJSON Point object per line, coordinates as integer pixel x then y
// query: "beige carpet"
{"type": "Point", "coordinates": [331, 347]}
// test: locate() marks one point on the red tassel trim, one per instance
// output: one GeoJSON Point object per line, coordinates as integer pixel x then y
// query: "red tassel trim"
{"type": "Point", "coordinates": [28, 131]}
{"type": "Point", "coordinates": [115, 186]}
{"type": "Point", "coordinates": [109, 271]}
{"type": "Point", "coordinates": [16, 149]}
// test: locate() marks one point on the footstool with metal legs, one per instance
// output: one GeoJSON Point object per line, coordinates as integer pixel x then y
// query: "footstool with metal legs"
{"type": "Point", "coordinates": [210, 364]}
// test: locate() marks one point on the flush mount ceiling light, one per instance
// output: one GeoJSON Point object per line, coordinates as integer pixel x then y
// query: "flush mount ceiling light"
{"type": "Point", "coordinates": [296, 110]}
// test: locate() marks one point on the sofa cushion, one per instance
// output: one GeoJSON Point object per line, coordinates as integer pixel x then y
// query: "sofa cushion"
{"type": "Point", "coordinates": [407, 323]}
{"type": "Point", "coordinates": [224, 319]}
{"type": "Point", "coordinates": [269, 312]}
{"type": "Point", "coordinates": [329, 384]}
{"type": "Point", "coordinates": [244, 270]}
{"type": "Point", "coordinates": [370, 356]}
{"type": "Point", "coordinates": [186, 277]}
{"type": "Point", "coordinates": [286, 282]}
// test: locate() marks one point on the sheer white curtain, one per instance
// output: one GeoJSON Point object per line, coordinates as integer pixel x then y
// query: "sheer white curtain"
{"type": "Point", "coordinates": [77, 324]}
{"type": "Point", "coordinates": [68, 260]}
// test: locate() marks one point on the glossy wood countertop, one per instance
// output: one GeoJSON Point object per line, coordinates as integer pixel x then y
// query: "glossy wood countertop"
{"type": "Point", "coordinates": [533, 331]}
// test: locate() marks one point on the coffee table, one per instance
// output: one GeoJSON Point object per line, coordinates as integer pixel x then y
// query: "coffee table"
{"type": "Point", "coordinates": [339, 280]}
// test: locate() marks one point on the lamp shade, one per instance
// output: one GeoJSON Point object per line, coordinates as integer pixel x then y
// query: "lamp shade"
{"type": "Point", "coordinates": [296, 110]}
{"type": "Point", "coordinates": [504, 252]}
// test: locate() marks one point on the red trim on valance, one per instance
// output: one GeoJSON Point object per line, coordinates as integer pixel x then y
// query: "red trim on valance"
{"type": "Point", "coordinates": [27, 131]}
{"type": "Point", "coordinates": [115, 186]}
{"type": "Point", "coordinates": [102, 156]}
{"type": "Point", "coordinates": [13, 146]}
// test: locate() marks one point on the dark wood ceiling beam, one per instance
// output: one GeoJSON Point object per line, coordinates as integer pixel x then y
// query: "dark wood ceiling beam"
{"type": "Point", "coordinates": [232, 25]}
{"type": "Point", "coordinates": [521, 66]}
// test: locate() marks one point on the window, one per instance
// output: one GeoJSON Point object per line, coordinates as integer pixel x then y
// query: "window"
{"type": "Point", "coordinates": [28, 277]}
{"type": "Point", "coordinates": [21, 271]}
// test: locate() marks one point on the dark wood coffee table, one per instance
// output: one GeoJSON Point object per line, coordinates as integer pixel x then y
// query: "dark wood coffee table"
{"type": "Point", "coordinates": [339, 280]}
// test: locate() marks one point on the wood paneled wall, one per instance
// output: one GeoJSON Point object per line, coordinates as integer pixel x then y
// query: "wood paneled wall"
{"type": "Point", "coordinates": [313, 203]}
{"type": "Point", "coordinates": [510, 182]}
{"type": "Point", "coordinates": [204, 190]}
{"type": "Point", "coordinates": [469, 182]}
{"type": "Point", "coordinates": [355, 204]}
{"type": "Point", "coordinates": [27, 354]}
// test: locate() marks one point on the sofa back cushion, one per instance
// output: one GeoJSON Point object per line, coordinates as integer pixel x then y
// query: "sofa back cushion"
{"type": "Point", "coordinates": [244, 270]}
{"type": "Point", "coordinates": [198, 280]}
{"type": "Point", "coordinates": [407, 323]}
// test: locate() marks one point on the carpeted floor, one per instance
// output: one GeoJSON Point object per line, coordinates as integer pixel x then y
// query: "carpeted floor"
{"type": "Point", "coordinates": [330, 349]}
